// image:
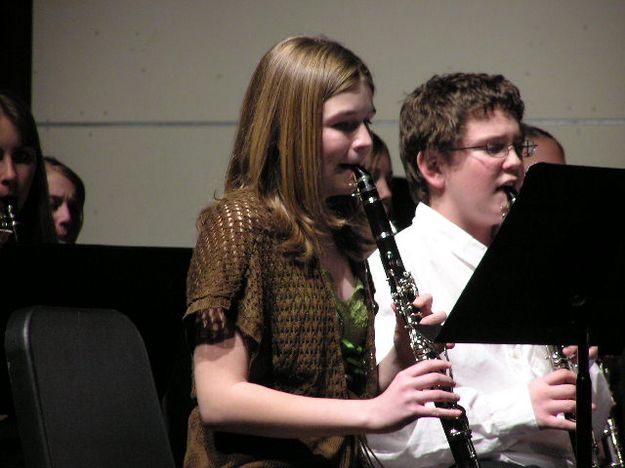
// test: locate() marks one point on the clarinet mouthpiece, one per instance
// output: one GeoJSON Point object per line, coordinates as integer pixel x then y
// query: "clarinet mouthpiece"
{"type": "Point", "coordinates": [511, 193]}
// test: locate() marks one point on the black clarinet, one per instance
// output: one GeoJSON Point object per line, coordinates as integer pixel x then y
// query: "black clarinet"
{"type": "Point", "coordinates": [403, 293]}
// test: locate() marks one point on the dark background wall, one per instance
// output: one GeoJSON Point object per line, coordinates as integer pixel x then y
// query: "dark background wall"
{"type": "Point", "coordinates": [16, 47]}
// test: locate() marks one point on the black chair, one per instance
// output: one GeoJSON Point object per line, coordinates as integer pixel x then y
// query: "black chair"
{"type": "Point", "coordinates": [83, 390]}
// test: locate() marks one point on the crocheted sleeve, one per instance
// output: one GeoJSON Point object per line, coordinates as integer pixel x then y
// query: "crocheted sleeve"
{"type": "Point", "coordinates": [219, 269]}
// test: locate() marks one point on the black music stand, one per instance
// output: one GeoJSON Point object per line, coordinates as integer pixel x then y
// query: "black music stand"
{"type": "Point", "coordinates": [556, 269]}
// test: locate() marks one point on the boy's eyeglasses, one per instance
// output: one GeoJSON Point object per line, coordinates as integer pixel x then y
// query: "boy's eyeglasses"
{"type": "Point", "coordinates": [524, 149]}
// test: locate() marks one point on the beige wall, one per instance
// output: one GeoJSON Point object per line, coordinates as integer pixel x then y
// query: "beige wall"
{"type": "Point", "coordinates": [141, 96]}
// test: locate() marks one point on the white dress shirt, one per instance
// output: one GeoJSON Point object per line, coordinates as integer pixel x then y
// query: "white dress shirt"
{"type": "Point", "coordinates": [492, 380]}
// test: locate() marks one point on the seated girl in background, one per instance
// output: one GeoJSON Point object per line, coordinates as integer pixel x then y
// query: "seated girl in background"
{"type": "Point", "coordinates": [23, 186]}
{"type": "Point", "coordinates": [67, 199]}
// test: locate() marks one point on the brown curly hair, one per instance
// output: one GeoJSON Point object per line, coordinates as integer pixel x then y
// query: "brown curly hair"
{"type": "Point", "coordinates": [434, 116]}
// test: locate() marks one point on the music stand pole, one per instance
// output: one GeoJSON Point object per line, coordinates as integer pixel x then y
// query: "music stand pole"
{"type": "Point", "coordinates": [583, 413]}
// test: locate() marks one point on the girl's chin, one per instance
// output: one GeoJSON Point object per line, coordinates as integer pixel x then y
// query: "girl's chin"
{"type": "Point", "coordinates": [342, 186]}
{"type": "Point", "coordinates": [339, 194]}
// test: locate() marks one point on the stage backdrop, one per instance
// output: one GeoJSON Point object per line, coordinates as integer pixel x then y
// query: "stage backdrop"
{"type": "Point", "coordinates": [141, 97]}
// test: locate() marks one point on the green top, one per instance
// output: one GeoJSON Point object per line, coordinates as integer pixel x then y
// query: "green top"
{"type": "Point", "coordinates": [353, 316]}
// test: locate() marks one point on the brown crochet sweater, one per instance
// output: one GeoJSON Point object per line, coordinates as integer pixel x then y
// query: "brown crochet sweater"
{"type": "Point", "coordinates": [287, 315]}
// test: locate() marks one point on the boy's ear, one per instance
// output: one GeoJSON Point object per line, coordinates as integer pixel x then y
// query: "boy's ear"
{"type": "Point", "coordinates": [429, 166]}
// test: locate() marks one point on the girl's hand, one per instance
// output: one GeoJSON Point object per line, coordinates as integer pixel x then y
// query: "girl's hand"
{"type": "Point", "coordinates": [408, 395]}
{"type": "Point", "coordinates": [423, 303]}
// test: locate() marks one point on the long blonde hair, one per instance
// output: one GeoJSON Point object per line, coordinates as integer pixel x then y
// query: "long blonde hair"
{"type": "Point", "coordinates": [277, 150]}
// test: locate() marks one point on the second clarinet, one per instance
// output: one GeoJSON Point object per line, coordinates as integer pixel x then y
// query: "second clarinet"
{"type": "Point", "coordinates": [403, 293]}
{"type": "Point", "coordinates": [8, 219]}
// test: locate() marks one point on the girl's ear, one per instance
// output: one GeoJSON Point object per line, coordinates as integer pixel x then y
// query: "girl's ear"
{"type": "Point", "coordinates": [429, 165]}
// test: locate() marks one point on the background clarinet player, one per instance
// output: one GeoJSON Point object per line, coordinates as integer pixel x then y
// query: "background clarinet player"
{"type": "Point", "coordinates": [22, 173]}
{"type": "Point", "coordinates": [461, 143]}
{"type": "Point", "coordinates": [23, 186]}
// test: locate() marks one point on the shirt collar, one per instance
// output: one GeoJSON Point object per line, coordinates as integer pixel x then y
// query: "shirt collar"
{"type": "Point", "coordinates": [459, 241]}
